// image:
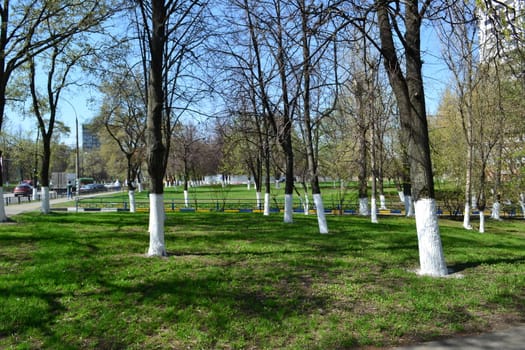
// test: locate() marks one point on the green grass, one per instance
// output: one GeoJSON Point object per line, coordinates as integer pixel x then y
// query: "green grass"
{"type": "Point", "coordinates": [238, 281]}
{"type": "Point", "coordinates": [234, 197]}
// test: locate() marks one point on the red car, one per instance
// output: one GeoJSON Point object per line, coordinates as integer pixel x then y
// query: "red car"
{"type": "Point", "coordinates": [23, 190]}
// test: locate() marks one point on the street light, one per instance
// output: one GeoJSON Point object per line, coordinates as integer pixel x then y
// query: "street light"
{"type": "Point", "coordinates": [77, 156]}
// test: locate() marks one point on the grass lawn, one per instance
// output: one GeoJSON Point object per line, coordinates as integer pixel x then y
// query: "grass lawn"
{"type": "Point", "coordinates": [244, 281]}
{"type": "Point", "coordinates": [234, 197]}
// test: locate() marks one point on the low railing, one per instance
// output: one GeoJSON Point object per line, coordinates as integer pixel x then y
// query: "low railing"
{"type": "Point", "coordinates": [337, 207]}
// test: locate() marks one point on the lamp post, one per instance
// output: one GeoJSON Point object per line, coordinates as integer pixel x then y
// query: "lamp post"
{"type": "Point", "coordinates": [77, 155]}
{"type": "Point", "coordinates": [77, 159]}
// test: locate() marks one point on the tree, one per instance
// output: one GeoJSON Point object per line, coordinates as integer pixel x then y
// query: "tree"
{"type": "Point", "coordinates": [187, 152]}
{"type": "Point", "coordinates": [24, 34]}
{"type": "Point", "coordinates": [280, 110]}
{"type": "Point", "coordinates": [61, 63]}
{"type": "Point", "coordinates": [407, 86]}
{"type": "Point", "coordinates": [171, 32]}
{"type": "Point", "coordinates": [458, 37]}
{"type": "Point", "coordinates": [122, 115]}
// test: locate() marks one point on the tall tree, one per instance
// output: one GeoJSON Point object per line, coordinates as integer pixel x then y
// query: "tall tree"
{"type": "Point", "coordinates": [123, 116]}
{"type": "Point", "coordinates": [171, 32]}
{"type": "Point", "coordinates": [24, 33]}
{"type": "Point", "coordinates": [407, 85]}
{"type": "Point", "coordinates": [459, 37]}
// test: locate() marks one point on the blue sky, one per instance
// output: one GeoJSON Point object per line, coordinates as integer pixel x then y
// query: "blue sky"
{"type": "Point", "coordinates": [77, 104]}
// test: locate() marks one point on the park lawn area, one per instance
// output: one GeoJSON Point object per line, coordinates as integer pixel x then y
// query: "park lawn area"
{"type": "Point", "coordinates": [234, 197]}
{"type": "Point", "coordinates": [245, 281]}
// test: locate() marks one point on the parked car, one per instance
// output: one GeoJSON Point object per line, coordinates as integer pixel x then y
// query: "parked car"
{"type": "Point", "coordinates": [99, 188]}
{"type": "Point", "coordinates": [91, 188]}
{"type": "Point", "coordinates": [23, 190]}
{"type": "Point", "coordinates": [86, 188]}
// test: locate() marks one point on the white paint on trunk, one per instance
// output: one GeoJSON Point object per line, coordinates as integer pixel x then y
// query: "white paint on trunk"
{"type": "Point", "coordinates": [45, 207]}
{"type": "Point", "coordinates": [186, 199]}
{"type": "Point", "coordinates": [363, 206]}
{"type": "Point", "coordinates": [401, 196]}
{"type": "Point", "coordinates": [474, 201]}
{"type": "Point", "coordinates": [248, 185]}
{"type": "Point", "coordinates": [258, 199]}
{"type": "Point", "coordinates": [277, 184]}
{"type": "Point", "coordinates": [466, 217]}
{"type": "Point", "coordinates": [496, 211]}
{"type": "Point", "coordinates": [306, 204]}
{"type": "Point", "coordinates": [140, 187]}
{"type": "Point", "coordinates": [431, 257]}
{"type": "Point", "coordinates": [481, 221]}
{"type": "Point", "coordinates": [321, 218]}
{"type": "Point", "coordinates": [522, 203]}
{"type": "Point", "coordinates": [266, 204]}
{"type": "Point", "coordinates": [3, 216]}
{"type": "Point", "coordinates": [288, 208]}
{"type": "Point", "coordinates": [34, 194]}
{"type": "Point", "coordinates": [156, 225]}
{"type": "Point", "coordinates": [409, 206]}
{"type": "Point", "coordinates": [132, 206]}
{"type": "Point", "coordinates": [382, 202]}
{"type": "Point", "coordinates": [373, 208]}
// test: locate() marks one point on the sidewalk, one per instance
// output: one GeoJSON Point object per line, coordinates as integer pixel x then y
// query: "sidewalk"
{"type": "Point", "coordinates": [14, 209]}
{"type": "Point", "coordinates": [510, 339]}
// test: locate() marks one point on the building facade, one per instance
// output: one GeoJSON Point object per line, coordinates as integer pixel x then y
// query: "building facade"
{"type": "Point", "coordinates": [501, 28]}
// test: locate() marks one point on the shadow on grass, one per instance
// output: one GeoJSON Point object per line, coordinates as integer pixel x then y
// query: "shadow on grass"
{"type": "Point", "coordinates": [227, 278]}
{"type": "Point", "coordinates": [459, 267]}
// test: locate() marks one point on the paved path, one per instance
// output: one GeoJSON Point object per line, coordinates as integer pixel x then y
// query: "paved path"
{"type": "Point", "coordinates": [508, 339]}
{"type": "Point", "coordinates": [15, 208]}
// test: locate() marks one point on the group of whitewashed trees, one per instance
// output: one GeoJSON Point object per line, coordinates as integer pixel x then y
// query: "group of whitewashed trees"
{"type": "Point", "coordinates": [282, 68]}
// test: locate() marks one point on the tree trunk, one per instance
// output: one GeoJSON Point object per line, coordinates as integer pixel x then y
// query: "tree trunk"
{"type": "Point", "coordinates": [45, 206]}
{"type": "Point", "coordinates": [363, 180]}
{"type": "Point", "coordinates": [468, 180]}
{"type": "Point", "coordinates": [410, 96]}
{"type": "Point", "coordinates": [522, 203]}
{"type": "Point", "coordinates": [156, 148]}
{"type": "Point", "coordinates": [132, 203]}
{"type": "Point", "coordinates": [267, 185]}
{"type": "Point", "coordinates": [311, 154]}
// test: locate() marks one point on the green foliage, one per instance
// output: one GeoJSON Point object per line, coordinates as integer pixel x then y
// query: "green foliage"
{"type": "Point", "coordinates": [247, 281]}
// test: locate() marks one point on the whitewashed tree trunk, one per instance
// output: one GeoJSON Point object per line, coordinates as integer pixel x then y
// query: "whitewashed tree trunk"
{"type": "Point", "coordinates": [363, 206]}
{"type": "Point", "coordinates": [321, 218]}
{"type": "Point", "coordinates": [248, 185]}
{"type": "Point", "coordinates": [277, 184]}
{"type": "Point", "coordinates": [401, 196]}
{"type": "Point", "coordinates": [409, 206]}
{"type": "Point", "coordinates": [306, 204]}
{"type": "Point", "coordinates": [132, 206]}
{"type": "Point", "coordinates": [140, 187]}
{"type": "Point", "coordinates": [382, 202]}
{"type": "Point", "coordinates": [466, 217]}
{"type": "Point", "coordinates": [496, 207]}
{"type": "Point", "coordinates": [34, 194]}
{"type": "Point", "coordinates": [431, 257]}
{"type": "Point", "coordinates": [186, 199]}
{"type": "Point", "coordinates": [258, 199]}
{"type": "Point", "coordinates": [266, 204]}
{"type": "Point", "coordinates": [481, 221]}
{"type": "Point", "coordinates": [156, 225]}
{"type": "Point", "coordinates": [45, 206]}
{"type": "Point", "coordinates": [3, 216]}
{"type": "Point", "coordinates": [288, 208]}
{"type": "Point", "coordinates": [474, 201]}
{"type": "Point", "coordinates": [522, 203]}
{"type": "Point", "coordinates": [373, 208]}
